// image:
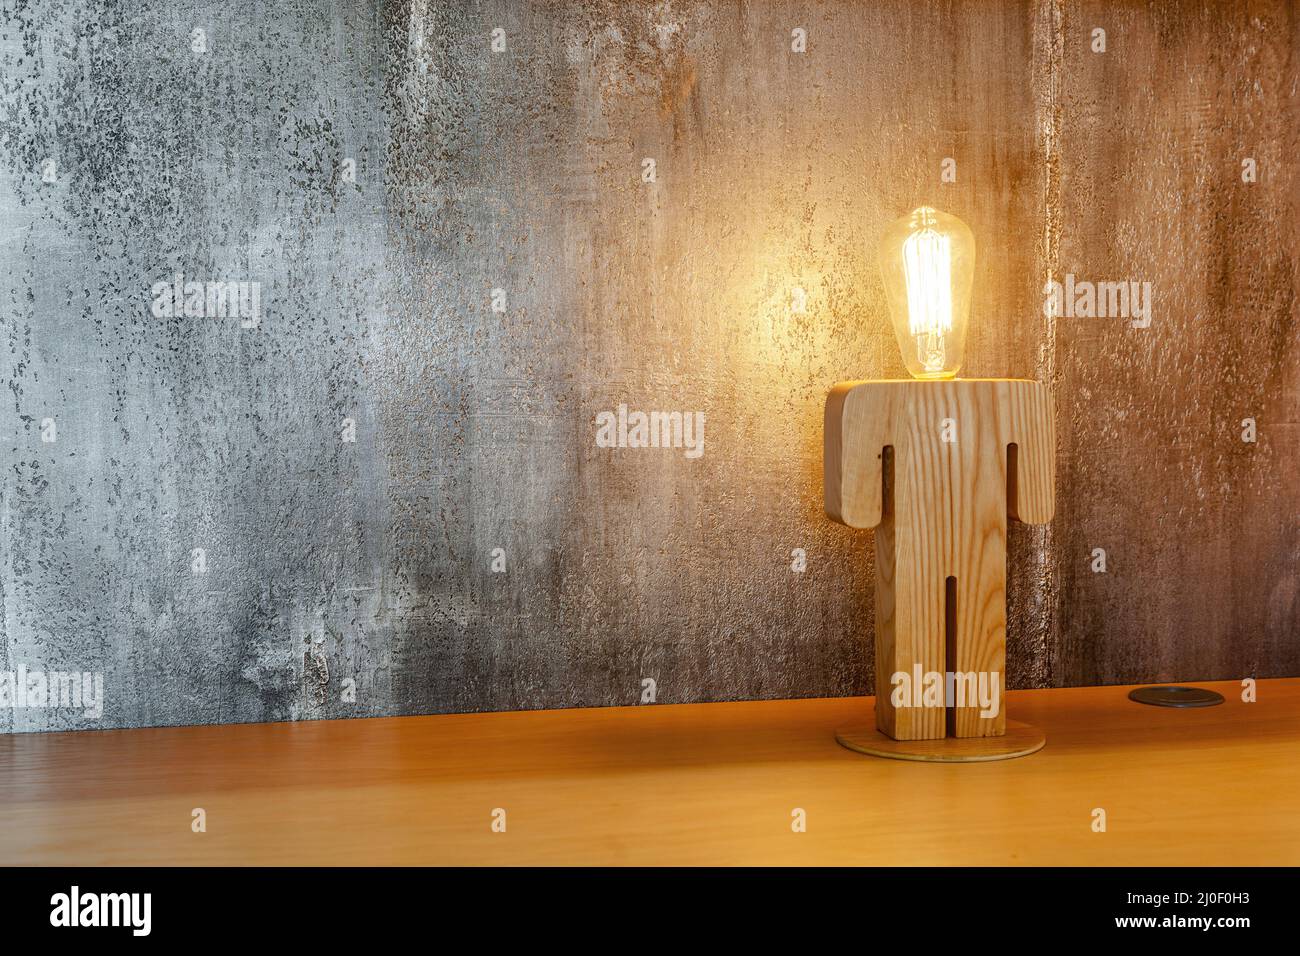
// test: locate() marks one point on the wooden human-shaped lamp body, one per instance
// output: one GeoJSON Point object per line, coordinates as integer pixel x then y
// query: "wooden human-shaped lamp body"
{"type": "Point", "coordinates": [937, 467]}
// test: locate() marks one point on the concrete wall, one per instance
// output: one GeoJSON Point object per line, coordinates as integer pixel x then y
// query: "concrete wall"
{"type": "Point", "coordinates": [379, 170]}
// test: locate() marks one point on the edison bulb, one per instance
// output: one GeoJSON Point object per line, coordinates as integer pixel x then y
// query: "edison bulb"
{"type": "Point", "coordinates": [927, 259]}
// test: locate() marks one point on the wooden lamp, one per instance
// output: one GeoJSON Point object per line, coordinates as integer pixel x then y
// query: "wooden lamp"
{"type": "Point", "coordinates": [937, 465]}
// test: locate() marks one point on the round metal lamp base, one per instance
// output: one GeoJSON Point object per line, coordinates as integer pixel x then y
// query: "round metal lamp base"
{"type": "Point", "coordinates": [1020, 740]}
{"type": "Point", "coordinates": [1175, 696]}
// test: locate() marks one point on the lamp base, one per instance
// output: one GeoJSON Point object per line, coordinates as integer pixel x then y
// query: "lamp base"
{"type": "Point", "coordinates": [1020, 740]}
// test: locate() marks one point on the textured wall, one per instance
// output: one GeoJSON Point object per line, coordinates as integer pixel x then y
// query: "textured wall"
{"type": "Point", "coordinates": [1202, 529]}
{"type": "Point", "coordinates": [380, 171]}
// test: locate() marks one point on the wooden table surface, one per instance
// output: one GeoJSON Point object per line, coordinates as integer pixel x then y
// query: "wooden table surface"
{"type": "Point", "coordinates": [659, 784]}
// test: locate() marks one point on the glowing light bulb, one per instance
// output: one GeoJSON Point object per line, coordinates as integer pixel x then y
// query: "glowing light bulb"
{"type": "Point", "coordinates": [927, 259]}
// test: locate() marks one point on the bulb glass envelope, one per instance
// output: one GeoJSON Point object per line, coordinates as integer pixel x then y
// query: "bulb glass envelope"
{"type": "Point", "coordinates": [927, 260]}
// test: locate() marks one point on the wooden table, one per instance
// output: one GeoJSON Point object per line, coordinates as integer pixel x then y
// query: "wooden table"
{"type": "Point", "coordinates": [689, 784]}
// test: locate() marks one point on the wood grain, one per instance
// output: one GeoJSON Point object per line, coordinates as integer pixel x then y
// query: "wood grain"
{"type": "Point", "coordinates": [937, 468]}
{"type": "Point", "coordinates": [685, 784]}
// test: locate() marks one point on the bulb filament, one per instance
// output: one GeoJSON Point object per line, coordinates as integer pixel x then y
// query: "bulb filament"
{"type": "Point", "coordinates": [927, 269]}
